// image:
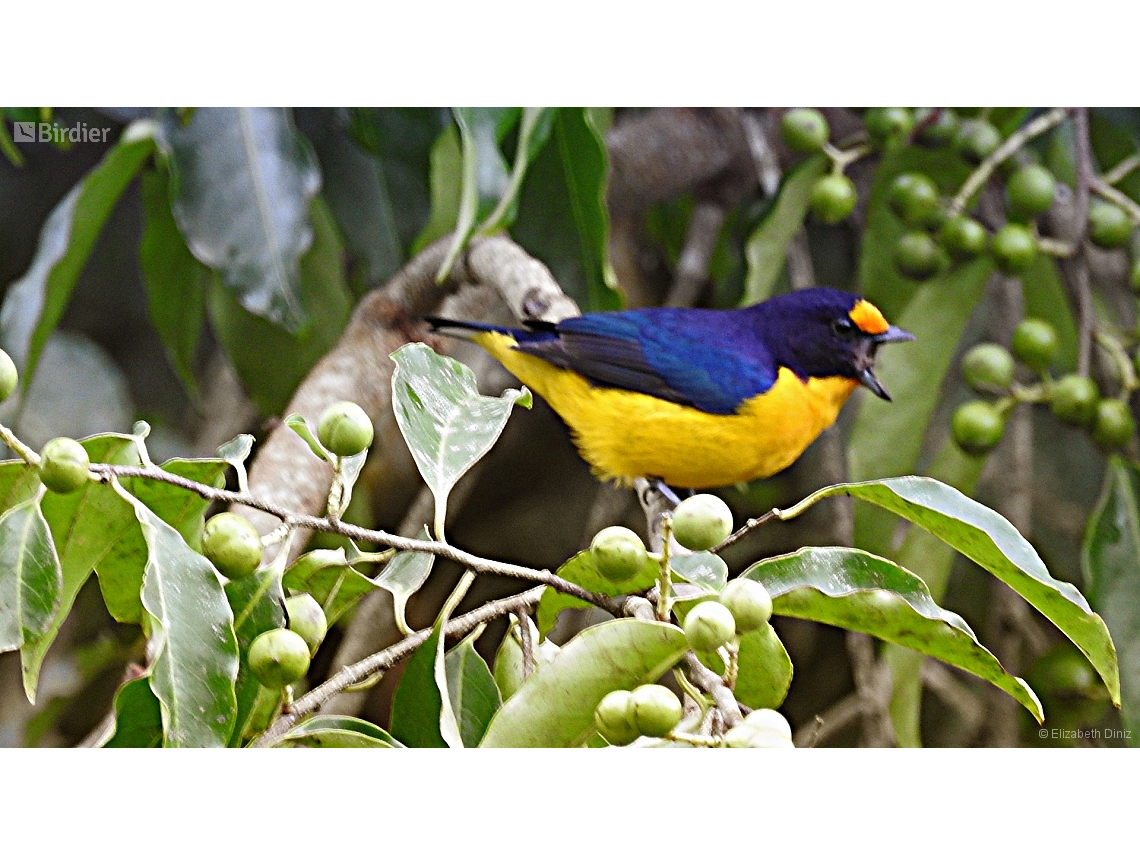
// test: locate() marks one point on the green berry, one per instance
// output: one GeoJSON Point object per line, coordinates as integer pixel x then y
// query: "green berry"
{"type": "Point", "coordinates": [833, 198]}
{"type": "Point", "coordinates": [771, 721]}
{"type": "Point", "coordinates": [963, 237]}
{"type": "Point", "coordinates": [987, 367]}
{"type": "Point", "coordinates": [804, 130]}
{"type": "Point", "coordinates": [656, 710]}
{"type": "Point", "coordinates": [709, 625]}
{"type": "Point", "coordinates": [977, 427]}
{"type": "Point", "coordinates": [1074, 399]}
{"type": "Point", "coordinates": [761, 729]}
{"type": "Point", "coordinates": [913, 197]}
{"type": "Point", "coordinates": [1035, 344]}
{"type": "Point", "coordinates": [1029, 191]}
{"type": "Point", "coordinates": [345, 429]}
{"type": "Point", "coordinates": [232, 544]}
{"type": "Point", "coordinates": [64, 465]}
{"type": "Point", "coordinates": [916, 256]}
{"type": "Point", "coordinates": [936, 126]}
{"type": "Point", "coordinates": [749, 602]}
{"type": "Point", "coordinates": [278, 658]}
{"type": "Point", "coordinates": [701, 522]}
{"type": "Point", "coordinates": [1065, 672]}
{"type": "Point", "coordinates": [886, 125]}
{"type": "Point", "coordinates": [307, 619]}
{"type": "Point", "coordinates": [615, 718]}
{"type": "Point", "coordinates": [976, 140]}
{"type": "Point", "coordinates": [618, 553]}
{"type": "Point", "coordinates": [1109, 225]}
{"type": "Point", "coordinates": [1114, 424]}
{"type": "Point", "coordinates": [9, 376]}
{"type": "Point", "coordinates": [1013, 248]}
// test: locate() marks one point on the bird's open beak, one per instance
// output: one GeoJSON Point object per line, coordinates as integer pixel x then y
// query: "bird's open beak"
{"type": "Point", "coordinates": [866, 376]}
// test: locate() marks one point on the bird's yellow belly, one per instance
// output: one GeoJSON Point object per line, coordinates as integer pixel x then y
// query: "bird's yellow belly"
{"type": "Point", "coordinates": [625, 435]}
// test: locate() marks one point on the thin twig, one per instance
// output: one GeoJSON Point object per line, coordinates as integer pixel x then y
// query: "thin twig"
{"type": "Point", "coordinates": [1122, 170]}
{"type": "Point", "coordinates": [746, 530]}
{"type": "Point", "coordinates": [873, 686]}
{"type": "Point", "coordinates": [707, 680]}
{"type": "Point", "coordinates": [525, 641]}
{"type": "Point", "coordinates": [693, 266]}
{"type": "Point", "coordinates": [1082, 151]}
{"type": "Point", "coordinates": [1101, 187]}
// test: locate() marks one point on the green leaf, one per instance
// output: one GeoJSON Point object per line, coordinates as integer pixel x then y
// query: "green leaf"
{"type": "Point", "coordinates": [855, 590]}
{"type": "Point", "coordinates": [765, 670]}
{"type": "Point", "coordinates": [1112, 576]}
{"type": "Point", "coordinates": [534, 131]}
{"type": "Point", "coordinates": [701, 568]}
{"type": "Point", "coordinates": [446, 423]}
{"type": "Point", "coordinates": [257, 604]}
{"type": "Point", "coordinates": [30, 576]}
{"type": "Point", "coordinates": [35, 303]}
{"type": "Point", "coordinates": [991, 541]}
{"type": "Point", "coordinates": [138, 717]}
{"type": "Point", "coordinates": [403, 576]}
{"type": "Point", "coordinates": [474, 695]}
{"type": "Point", "coordinates": [191, 630]}
{"type": "Point", "coordinates": [252, 342]}
{"type": "Point", "coordinates": [300, 426]}
{"type": "Point", "coordinates": [508, 668]}
{"type": "Point", "coordinates": [328, 575]}
{"type": "Point", "coordinates": [767, 247]}
{"type": "Point", "coordinates": [562, 219]}
{"type": "Point", "coordinates": [581, 571]}
{"type": "Point", "coordinates": [176, 282]}
{"type": "Point", "coordinates": [182, 509]}
{"type": "Point", "coordinates": [554, 708]}
{"type": "Point", "coordinates": [482, 163]}
{"type": "Point", "coordinates": [244, 179]}
{"type": "Point", "coordinates": [446, 184]}
{"type": "Point", "coordinates": [417, 703]}
{"type": "Point", "coordinates": [887, 437]}
{"type": "Point", "coordinates": [338, 731]}
{"type": "Point", "coordinates": [18, 483]}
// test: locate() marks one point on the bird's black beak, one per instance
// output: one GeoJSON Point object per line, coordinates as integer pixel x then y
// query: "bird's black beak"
{"type": "Point", "coordinates": [866, 376]}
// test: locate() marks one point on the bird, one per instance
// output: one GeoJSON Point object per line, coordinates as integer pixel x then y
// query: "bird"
{"type": "Point", "coordinates": [696, 398]}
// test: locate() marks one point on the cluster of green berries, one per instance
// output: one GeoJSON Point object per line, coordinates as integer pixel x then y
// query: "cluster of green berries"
{"type": "Point", "coordinates": [978, 425]}
{"type": "Point", "coordinates": [280, 657]}
{"type": "Point", "coordinates": [833, 197]}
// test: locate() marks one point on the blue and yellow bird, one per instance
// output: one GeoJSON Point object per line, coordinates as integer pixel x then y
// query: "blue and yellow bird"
{"type": "Point", "coordinates": [697, 398]}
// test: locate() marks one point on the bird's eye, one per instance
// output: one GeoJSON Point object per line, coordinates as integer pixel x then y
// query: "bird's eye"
{"type": "Point", "coordinates": [843, 328]}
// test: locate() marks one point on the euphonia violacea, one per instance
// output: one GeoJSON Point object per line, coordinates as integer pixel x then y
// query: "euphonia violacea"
{"type": "Point", "coordinates": [697, 398]}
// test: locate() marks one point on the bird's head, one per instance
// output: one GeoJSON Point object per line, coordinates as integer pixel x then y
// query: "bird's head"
{"type": "Point", "coordinates": [821, 332]}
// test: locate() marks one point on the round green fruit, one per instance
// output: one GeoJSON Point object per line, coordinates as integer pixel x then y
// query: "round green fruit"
{"type": "Point", "coordinates": [345, 429]}
{"type": "Point", "coordinates": [709, 625]}
{"type": "Point", "coordinates": [64, 465]}
{"type": "Point", "coordinates": [618, 553]}
{"type": "Point", "coordinates": [771, 721]}
{"type": "Point", "coordinates": [307, 619]}
{"type": "Point", "coordinates": [913, 197]}
{"type": "Point", "coordinates": [987, 367]}
{"type": "Point", "coordinates": [833, 198]}
{"type": "Point", "coordinates": [1109, 225]}
{"type": "Point", "coordinates": [232, 544]}
{"type": "Point", "coordinates": [976, 140]}
{"type": "Point", "coordinates": [616, 719]}
{"type": "Point", "coordinates": [886, 125]}
{"type": "Point", "coordinates": [963, 237]}
{"type": "Point", "coordinates": [1074, 399]}
{"type": "Point", "coordinates": [977, 427]}
{"type": "Point", "coordinates": [1035, 343]}
{"type": "Point", "coordinates": [1029, 191]}
{"type": "Point", "coordinates": [749, 602]}
{"type": "Point", "coordinates": [1013, 248]}
{"type": "Point", "coordinates": [1065, 672]}
{"type": "Point", "coordinates": [804, 130]}
{"type": "Point", "coordinates": [9, 376]}
{"type": "Point", "coordinates": [1114, 424]}
{"type": "Point", "coordinates": [656, 710]}
{"type": "Point", "coordinates": [936, 126]}
{"type": "Point", "coordinates": [916, 256]}
{"type": "Point", "coordinates": [278, 658]}
{"type": "Point", "coordinates": [701, 522]}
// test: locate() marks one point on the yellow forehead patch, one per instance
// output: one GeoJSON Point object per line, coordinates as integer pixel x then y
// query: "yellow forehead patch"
{"type": "Point", "coordinates": [869, 319]}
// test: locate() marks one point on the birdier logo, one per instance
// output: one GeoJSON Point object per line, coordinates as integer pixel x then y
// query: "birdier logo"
{"type": "Point", "coordinates": [50, 132]}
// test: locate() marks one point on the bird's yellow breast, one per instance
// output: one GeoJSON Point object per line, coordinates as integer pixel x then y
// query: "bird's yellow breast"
{"type": "Point", "coordinates": [625, 435]}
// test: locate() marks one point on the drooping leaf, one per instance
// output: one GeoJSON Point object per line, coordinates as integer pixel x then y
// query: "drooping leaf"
{"type": "Point", "coordinates": [446, 188]}
{"type": "Point", "coordinates": [417, 703]}
{"type": "Point", "coordinates": [1110, 560]}
{"type": "Point", "coordinates": [582, 572]}
{"type": "Point", "coordinates": [701, 568]}
{"type": "Point", "coordinates": [474, 695]}
{"type": "Point", "coordinates": [403, 576]}
{"type": "Point", "coordinates": [534, 131]}
{"type": "Point", "coordinates": [191, 628]}
{"type": "Point", "coordinates": [257, 605]}
{"type": "Point", "coordinates": [35, 303]}
{"type": "Point", "coordinates": [855, 590]}
{"type": "Point", "coordinates": [446, 423]}
{"type": "Point", "coordinates": [330, 577]}
{"type": "Point", "coordinates": [244, 179]}
{"type": "Point", "coordinates": [176, 282]}
{"type": "Point", "coordinates": [300, 426]}
{"type": "Point", "coordinates": [138, 717]}
{"type": "Point", "coordinates": [555, 707]}
{"type": "Point", "coordinates": [338, 731]}
{"type": "Point", "coordinates": [765, 669]}
{"type": "Point", "coordinates": [767, 246]}
{"type": "Point", "coordinates": [30, 576]}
